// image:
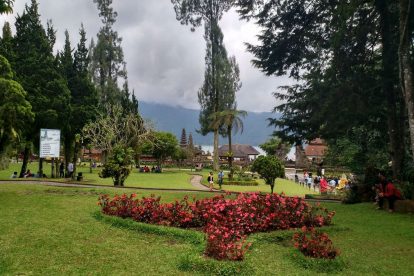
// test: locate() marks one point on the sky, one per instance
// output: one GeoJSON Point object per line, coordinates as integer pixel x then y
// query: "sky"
{"type": "Point", "coordinates": [165, 60]}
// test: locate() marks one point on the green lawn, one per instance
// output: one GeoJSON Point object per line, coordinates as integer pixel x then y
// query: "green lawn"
{"type": "Point", "coordinates": [290, 188]}
{"type": "Point", "coordinates": [51, 230]}
{"type": "Point", "coordinates": [169, 179]}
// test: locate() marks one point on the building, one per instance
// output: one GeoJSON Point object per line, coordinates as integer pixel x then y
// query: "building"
{"type": "Point", "coordinates": [316, 150]}
{"type": "Point", "coordinates": [242, 153]}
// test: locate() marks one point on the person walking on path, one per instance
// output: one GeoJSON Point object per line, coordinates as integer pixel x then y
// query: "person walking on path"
{"type": "Point", "coordinates": [220, 178]}
{"type": "Point", "coordinates": [210, 180]}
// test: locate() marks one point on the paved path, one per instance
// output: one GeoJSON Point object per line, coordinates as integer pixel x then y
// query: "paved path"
{"type": "Point", "coordinates": [195, 182]}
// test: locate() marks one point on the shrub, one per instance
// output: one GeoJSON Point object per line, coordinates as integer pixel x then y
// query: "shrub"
{"type": "Point", "coordinates": [226, 221]}
{"type": "Point", "coordinates": [118, 165]}
{"type": "Point", "coordinates": [269, 167]}
{"type": "Point", "coordinates": [315, 244]}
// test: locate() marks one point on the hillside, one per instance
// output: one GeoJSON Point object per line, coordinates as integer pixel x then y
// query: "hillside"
{"type": "Point", "coordinates": [174, 119]}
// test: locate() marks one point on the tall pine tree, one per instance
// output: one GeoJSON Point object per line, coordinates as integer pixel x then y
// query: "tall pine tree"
{"type": "Point", "coordinates": [36, 70]}
{"type": "Point", "coordinates": [211, 96]}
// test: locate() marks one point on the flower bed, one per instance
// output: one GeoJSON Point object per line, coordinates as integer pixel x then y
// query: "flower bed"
{"type": "Point", "coordinates": [226, 221]}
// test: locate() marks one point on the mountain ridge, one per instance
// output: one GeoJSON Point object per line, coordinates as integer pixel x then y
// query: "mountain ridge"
{"type": "Point", "coordinates": [173, 119]}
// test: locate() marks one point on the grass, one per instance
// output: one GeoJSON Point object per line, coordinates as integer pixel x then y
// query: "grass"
{"type": "Point", "coordinates": [53, 230]}
{"type": "Point", "coordinates": [290, 188]}
{"type": "Point", "coordinates": [169, 179]}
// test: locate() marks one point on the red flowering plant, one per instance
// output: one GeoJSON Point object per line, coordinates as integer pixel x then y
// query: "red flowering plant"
{"type": "Point", "coordinates": [226, 221]}
{"type": "Point", "coordinates": [315, 244]}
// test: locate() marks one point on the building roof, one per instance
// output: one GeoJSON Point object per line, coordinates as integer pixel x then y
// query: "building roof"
{"type": "Point", "coordinates": [238, 150]}
{"type": "Point", "coordinates": [317, 141]}
{"type": "Point", "coordinates": [316, 148]}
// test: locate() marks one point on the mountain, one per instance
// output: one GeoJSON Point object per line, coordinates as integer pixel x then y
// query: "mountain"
{"type": "Point", "coordinates": [174, 119]}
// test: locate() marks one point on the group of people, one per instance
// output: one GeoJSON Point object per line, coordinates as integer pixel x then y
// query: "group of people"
{"type": "Point", "coordinates": [324, 184]}
{"type": "Point", "coordinates": [28, 174]}
{"type": "Point", "coordinates": [146, 169]}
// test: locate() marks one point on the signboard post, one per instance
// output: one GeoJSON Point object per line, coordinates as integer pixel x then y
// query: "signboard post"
{"type": "Point", "coordinates": [49, 146]}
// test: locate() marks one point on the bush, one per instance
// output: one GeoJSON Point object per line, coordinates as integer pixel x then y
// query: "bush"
{"type": "Point", "coordinates": [226, 222]}
{"type": "Point", "coordinates": [118, 165]}
{"type": "Point", "coordinates": [269, 168]}
{"type": "Point", "coordinates": [315, 244]}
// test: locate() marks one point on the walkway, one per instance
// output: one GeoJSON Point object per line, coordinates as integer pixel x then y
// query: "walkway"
{"type": "Point", "coordinates": [195, 182]}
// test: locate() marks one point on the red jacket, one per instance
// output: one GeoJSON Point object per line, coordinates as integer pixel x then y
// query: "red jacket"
{"type": "Point", "coordinates": [390, 190]}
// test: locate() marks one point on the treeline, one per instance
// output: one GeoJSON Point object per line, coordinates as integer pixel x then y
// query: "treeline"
{"type": "Point", "coordinates": [64, 89]}
{"type": "Point", "coordinates": [353, 64]}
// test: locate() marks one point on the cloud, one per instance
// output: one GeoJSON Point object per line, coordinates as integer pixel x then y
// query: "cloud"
{"type": "Point", "coordinates": [165, 60]}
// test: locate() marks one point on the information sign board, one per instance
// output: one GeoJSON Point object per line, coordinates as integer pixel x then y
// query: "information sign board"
{"type": "Point", "coordinates": [49, 143]}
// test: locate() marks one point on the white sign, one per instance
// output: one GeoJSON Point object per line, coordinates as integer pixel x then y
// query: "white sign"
{"type": "Point", "coordinates": [49, 143]}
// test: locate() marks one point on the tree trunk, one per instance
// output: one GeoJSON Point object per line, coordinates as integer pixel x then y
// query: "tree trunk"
{"type": "Point", "coordinates": [215, 151]}
{"type": "Point", "coordinates": [53, 168]}
{"type": "Point", "coordinates": [230, 157]}
{"type": "Point", "coordinates": [26, 155]}
{"type": "Point", "coordinates": [75, 158]}
{"type": "Point", "coordinates": [90, 161]}
{"type": "Point", "coordinates": [40, 172]}
{"type": "Point", "coordinates": [395, 109]}
{"type": "Point", "coordinates": [406, 71]}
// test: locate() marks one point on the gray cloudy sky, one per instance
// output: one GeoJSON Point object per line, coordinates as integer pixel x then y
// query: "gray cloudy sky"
{"type": "Point", "coordinates": [165, 60]}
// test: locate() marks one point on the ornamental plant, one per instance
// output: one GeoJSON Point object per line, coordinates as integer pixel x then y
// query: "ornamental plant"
{"type": "Point", "coordinates": [269, 167]}
{"type": "Point", "coordinates": [118, 165]}
{"type": "Point", "coordinates": [315, 244]}
{"type": "Point", "coordinates": [227, 222]}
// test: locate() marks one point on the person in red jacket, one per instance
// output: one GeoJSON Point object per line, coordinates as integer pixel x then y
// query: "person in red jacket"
{"type": "Point", "coordinates": [389, 192]}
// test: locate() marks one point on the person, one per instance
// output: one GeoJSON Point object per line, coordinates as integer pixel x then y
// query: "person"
{"type": "Point", "coordinates": [70, 169]}
{"type": "Point", "coordinates": [28, 173]}
{"type": "Point", "coordinates": [220, 178]}
{"type": "Point", "coordinates": [387, 191]}
{"type": "Point", "coordinates": [323, 186]}
{"type": "Point", "coordinates": [61, 169]}
{"type": "Point", "coordinates": [14, 175]}
{"type": "Point", "coordinates": [309, 181]}
{"type": "Point", "coordinates": [210, 180]}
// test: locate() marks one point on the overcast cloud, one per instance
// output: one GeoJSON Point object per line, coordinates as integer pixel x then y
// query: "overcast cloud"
{"type": "Point", "coordinates": [165, 60]}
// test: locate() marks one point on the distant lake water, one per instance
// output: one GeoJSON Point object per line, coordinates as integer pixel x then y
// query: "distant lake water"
{"type": "Point", "coordinates": [210, 148]}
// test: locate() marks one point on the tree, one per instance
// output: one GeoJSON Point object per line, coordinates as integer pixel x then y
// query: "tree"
{"type": "Point", "coordinates": [15, 111]}
{"type": "Point", "coordinates": [405, 62]}
{"type": "Point", "coordinates": [108, 64]}
{"type": "Point", "coordinates": [180, 155]}
{"type": "Point", "coordinates": [164, 145]}
{"type": "Point", "coordinates": [275, 146]}
{"type": "Point", "coordinates": [6, 6]}
{"type": "Point", "coordinates": [353, 62]}
{"type": "Point", "coordinates": [113, 129]}
{"type": "Point", "coordinates": [231, 120]}
{"type": "Point", "coordinates": [210, 96]}
{"type": "Point", "coordinates": [84, 100]}
{"type": "Point", "coordinates": [37, 71]}
{"type": "Point", "coordinates": [269, 167]}
{"type": "Point", "coordinates": [118, 166]}
{"type": "Point", "coordinates": [6, 42]}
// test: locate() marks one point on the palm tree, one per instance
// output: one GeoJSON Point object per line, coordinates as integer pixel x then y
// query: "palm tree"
{"type": "Point", "coordinates": [231, 119]}
{"type": "Point", "coordinates": [6, 6]}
